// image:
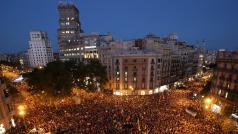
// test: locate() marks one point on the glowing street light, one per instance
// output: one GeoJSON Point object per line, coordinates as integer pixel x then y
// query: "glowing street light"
{"type": "Point", "coordinates": [21, 110]}
{"type": "Point", "coordinates": [22, 113]}
{"type": "Point", "coordinates": [21, 107]}
{"type": "Point", "coordinates": [208, 101]}
{"type": "Point", "coordinates": [131, 88]}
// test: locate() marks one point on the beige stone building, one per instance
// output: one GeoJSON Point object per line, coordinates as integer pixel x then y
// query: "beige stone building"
{"type": "Point", "coordinates": [225, 79]}
{"type": "Point", "coordinates": [146, 66]}
{"type": "Point", "coordinates": [6, 108]}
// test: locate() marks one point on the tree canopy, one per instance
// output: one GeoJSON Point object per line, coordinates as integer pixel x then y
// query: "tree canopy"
{"type": "Point", "coordinates": [57, 78]}
{"type": "Point", "coordinates": [54, 79]}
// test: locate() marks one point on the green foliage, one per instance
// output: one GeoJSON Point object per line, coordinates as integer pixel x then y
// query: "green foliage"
{"type": "Point", "coordinates": [57, 78]}
{"type": "Point", "coordinates": [206, 88]}
{"type": "Point", "coordinates": [54, 79]}
{"type": "Point", "coordinates": [12, 64]}
{"type": "Point", "coordinates": [91, 76]}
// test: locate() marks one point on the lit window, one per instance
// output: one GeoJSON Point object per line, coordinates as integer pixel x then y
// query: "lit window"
{"type": "Point", "coordinates": [142, 92]}
{"type": "Point", "coordinates": [226, 94]}
{"type": "Point", "coordinates": [219, 93]}
{"type": "Point", "coordinates": [156, 90]}
{"type": "Point", "coordinates": [117, 73]}
{"type": "Point", "coordinates": [67, 23]}
{"type": "Point", "coordinates": [134, 79]}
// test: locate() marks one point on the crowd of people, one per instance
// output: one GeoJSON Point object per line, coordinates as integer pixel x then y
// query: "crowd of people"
{"type": "Point", "coordinates": [90, 113]}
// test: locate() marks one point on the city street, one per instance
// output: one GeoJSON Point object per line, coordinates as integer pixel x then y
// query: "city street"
{"type": "Point", "coordinates": [100, 113]}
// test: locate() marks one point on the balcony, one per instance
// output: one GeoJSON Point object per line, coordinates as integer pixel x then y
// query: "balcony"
{"type": "Point", "coordinates": [227, 70]}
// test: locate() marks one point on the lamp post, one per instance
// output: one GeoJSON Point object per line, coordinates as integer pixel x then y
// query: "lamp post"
{"type": "Point", "coordinates": [22, 113]}
{"type": "Point", "coordinates": [208, 103]}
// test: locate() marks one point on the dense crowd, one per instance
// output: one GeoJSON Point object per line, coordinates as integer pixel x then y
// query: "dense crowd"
{"type": "Point", "coordinates": [100, 113]}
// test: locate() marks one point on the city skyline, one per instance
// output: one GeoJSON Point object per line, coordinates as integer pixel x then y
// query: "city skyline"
{"type": "Point", "coordinates": [214, 22]}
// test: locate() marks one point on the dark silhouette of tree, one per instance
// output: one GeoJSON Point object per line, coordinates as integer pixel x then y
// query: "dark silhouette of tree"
{"type": "Point", "coordinates": [54, 79]}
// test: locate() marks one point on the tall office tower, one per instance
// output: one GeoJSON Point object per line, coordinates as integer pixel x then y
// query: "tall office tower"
{"type": "Point", "coordinates": [39, 51]}
{"type": "Point", "coordinates": [69, 32]}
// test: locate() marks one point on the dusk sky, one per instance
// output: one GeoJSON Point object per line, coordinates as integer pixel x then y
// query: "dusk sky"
{"type": "Point", "coordinates": [215, 21]}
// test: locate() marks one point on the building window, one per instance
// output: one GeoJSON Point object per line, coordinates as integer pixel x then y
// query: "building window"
{"type": "Point", "coordinates": [117, 86]}
{"type": "Point", "coordinates": [117, 61]}
{"type": "Point", "coordinates": [143, 85]}
{"type": "Point", "coordinates": [134, 74]}
{"type": "Point", "coordinates": [126, 86]}
{"type": "Point", "coordinates": [134, 79]}
{"type": "Point", "coordinates": [226, 95]}
{"type": "Point", "coordinates": [158, 61]}
{"type": "Point", "coordinates": [219, 92]}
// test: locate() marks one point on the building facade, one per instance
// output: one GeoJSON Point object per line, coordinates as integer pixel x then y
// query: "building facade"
{"type": "Point", "coordinates": [69, 32]}
{"type": "Point", "coordinates": [6, 108]}
{"type": "Point", "coordinates": [73, 43]}
{"type": "Point", "coordinates": [225, 78]}
{"type": "Point", "coordinates": [147, 65]}
{"type": "Point", "coordinates": [40, 52]}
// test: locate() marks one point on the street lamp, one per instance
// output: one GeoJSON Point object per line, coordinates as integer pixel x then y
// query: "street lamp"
{"type": "Point", "coordinates": [131, 88]}
{"type": "Point", "coordinates": [22, 113]}
{"type": "Point", "coordinates": [208, 101]}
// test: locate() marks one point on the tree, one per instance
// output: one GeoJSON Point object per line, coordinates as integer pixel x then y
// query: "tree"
{"type": "Point", "coordinates": [91, 76]}
{"type": "Point", "coordinates": [97, 75]}
{"type": "Point", "coordinates": [54, 79]}
{"type": "Point", "coordinates": [206, 88]}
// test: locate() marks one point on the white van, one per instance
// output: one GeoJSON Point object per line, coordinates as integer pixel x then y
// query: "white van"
{"type": "Point", "coordinates": [191, 111]}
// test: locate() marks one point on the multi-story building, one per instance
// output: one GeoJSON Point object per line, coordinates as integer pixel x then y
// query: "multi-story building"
{"type": "Point", "coordinates": [210, 57]}
{"type": "Point", "coordinates": [75, 45]}
{"type": "Point", "coordinates": [3, 57]}
{"type": "Point", "coordinates": [40, 52]}
{"type": "Point", "coordinates": [6, 108]}
{"type": "Point", "coordinates": [69, 32]}
{"type": "Point", "coordinates": [225, 78]}
{"type": "Point", "coordinates": [146, 66]}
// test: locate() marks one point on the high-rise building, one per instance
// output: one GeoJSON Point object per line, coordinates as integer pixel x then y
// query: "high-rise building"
{"type": "Point", "coordinates": [69, 32]}
{"type": "Point", "coordinates": [40, 52]}
{"type": "Point", "coordinates": [73, 43]}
